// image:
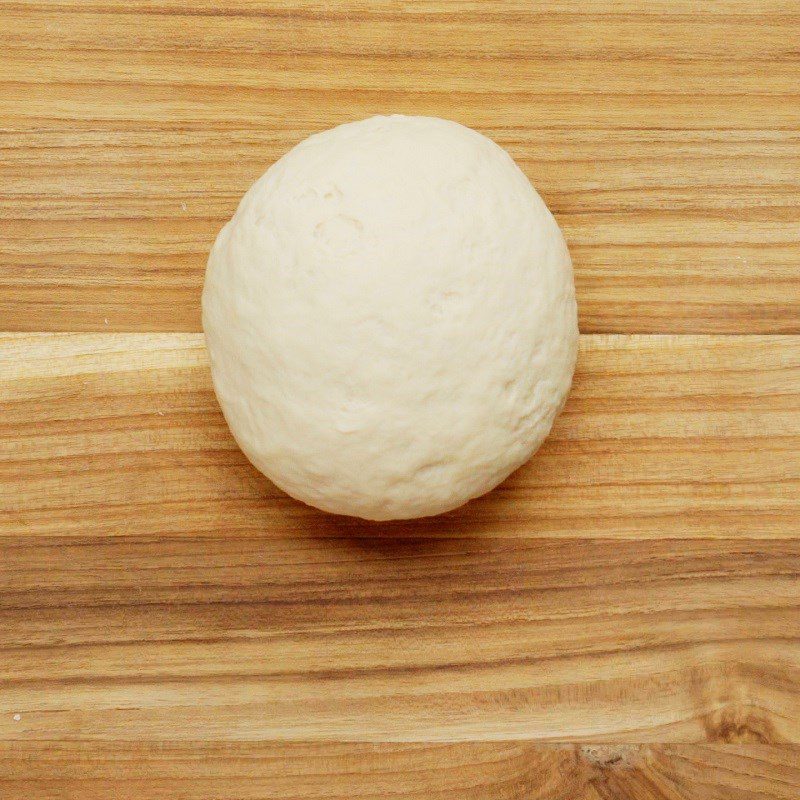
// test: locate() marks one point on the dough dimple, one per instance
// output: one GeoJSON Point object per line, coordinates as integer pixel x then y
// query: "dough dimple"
{"type": "Point", "coordinates": [391, 318]}
{"type": "Point", "coordinates": [338, 233]}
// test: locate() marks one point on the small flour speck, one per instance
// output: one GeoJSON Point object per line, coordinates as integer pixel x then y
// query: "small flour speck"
{"type": "Point", "coordinates": [17, 717]}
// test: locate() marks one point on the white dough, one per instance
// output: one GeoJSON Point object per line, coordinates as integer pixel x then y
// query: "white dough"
{"type": "Point", "coordinates": [391, 318]}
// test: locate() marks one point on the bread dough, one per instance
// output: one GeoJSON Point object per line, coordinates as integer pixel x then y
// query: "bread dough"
{"type": "Point", "coordinates": [391, 318]}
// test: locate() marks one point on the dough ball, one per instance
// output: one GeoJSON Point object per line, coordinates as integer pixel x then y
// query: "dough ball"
{"type": "Point", "coordinates": [391, 318]}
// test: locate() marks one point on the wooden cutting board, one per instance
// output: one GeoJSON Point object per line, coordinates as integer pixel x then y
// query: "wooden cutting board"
{"type": "Point", "coordinates": [621, 619]}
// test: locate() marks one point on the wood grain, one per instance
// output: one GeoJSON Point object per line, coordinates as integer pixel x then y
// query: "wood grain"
{"type": "Point", "coordinates": [474, 771]}
{"type": "Point", "coordinates": [620, 620]}
{"type": "Point", "coordinates": [665, 140]}
{"type": "Point", "coordinates": [153, 585]}
{"type": "Point", "coordinates": [352, 638]}
{"type": "Point", "coordinates": [662, 436]}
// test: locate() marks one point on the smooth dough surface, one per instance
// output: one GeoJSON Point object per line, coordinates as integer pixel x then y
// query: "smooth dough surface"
{"type": "Point", "coordinates": [391, 318]}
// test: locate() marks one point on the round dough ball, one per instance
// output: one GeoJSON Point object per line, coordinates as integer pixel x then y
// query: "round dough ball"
{"type": "Point", "coordinates": [391, 318]}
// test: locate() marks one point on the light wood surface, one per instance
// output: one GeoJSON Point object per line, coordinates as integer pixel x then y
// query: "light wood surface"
{"type": "Point", "coordinates": [662, 436]}
{"type": "Point", "coordinates": [473, 771]}
{"type": "Point", "coordinates": [666, 138]}
{"type": "Point", "coordinates": [472, 638]}
{"type": "Point", "coordinates": [637, 581]}
{"type": "Point", "coordinates": [619, 621]}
